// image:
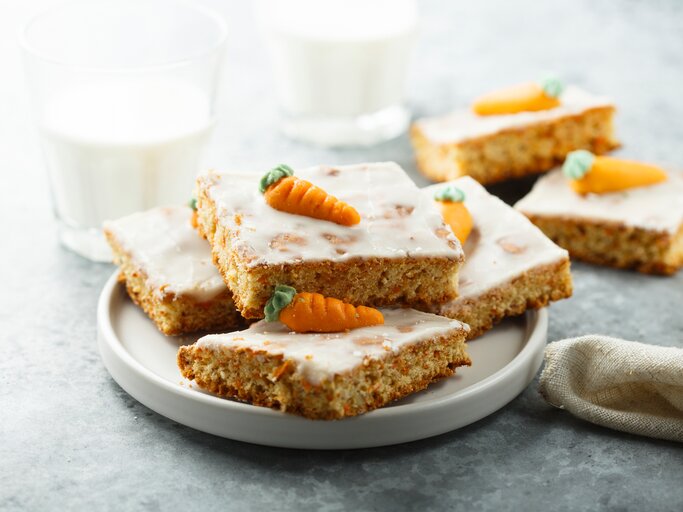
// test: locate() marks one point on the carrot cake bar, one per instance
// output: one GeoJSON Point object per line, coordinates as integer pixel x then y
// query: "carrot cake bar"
{"type": "Point", "coordinates": [168, 272]}
{"type": "Point", "coordinates": [639, 227]}
{"type": "Point", "coordinates": [361, 233]}
{"type": "Point", "coordinates": [514, 134]}
{"type": "Point", "coordinates": [510, 265]}
{"type": "Point", "coordinates": [328, 375]}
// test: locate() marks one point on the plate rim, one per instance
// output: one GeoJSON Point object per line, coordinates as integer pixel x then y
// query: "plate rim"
{"type": "Point", "coordinates": [536, 337]}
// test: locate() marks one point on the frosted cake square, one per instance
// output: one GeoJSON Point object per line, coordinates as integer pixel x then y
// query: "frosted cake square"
{"type": "Point", "coordinates": [331, 375]}
{"type": "Point", "coordinates": [494, 148]}
{"type": "Point", "coordinates": [510, 265]}
{"type": "Point", "coordinates": [167, 269]}
{"type": "Point", "coordinates": [401, 252]}
{"type": "Point", "coordinates": [639, 228]}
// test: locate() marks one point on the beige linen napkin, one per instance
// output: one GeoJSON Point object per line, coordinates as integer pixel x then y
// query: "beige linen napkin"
{"type": "Point", "coordinates": [619, 384]}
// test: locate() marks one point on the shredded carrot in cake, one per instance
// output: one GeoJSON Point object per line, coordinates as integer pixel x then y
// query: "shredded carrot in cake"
{"type": "Point", "coordinates": [280, 370]}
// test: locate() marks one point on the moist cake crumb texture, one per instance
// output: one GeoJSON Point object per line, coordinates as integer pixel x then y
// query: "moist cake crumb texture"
{"type": "Point", "coordinates": [401, 252]}
{"type": "Point", "coordinates": [640, 228]}
{"type": "Point", "coordinates": [333, 375]}
{"type": "Point", "coordinates": [499, 147]}
{"type": "Point", "coordinates": [168, 271]}
{"type": "Point", "coordinates": [510, 265]}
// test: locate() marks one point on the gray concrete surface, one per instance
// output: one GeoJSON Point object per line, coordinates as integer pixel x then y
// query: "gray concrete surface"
{"type": "Point", "coordinates": [71, 439]}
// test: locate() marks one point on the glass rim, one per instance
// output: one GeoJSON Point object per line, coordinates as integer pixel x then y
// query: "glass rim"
{"type": "Point", "coordinates": [206, 11]}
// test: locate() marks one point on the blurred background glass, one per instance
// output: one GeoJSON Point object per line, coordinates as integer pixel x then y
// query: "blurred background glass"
{"type": "Point", "coordinates": [340, 67]}
{"type": "Point", "coordinates": [124, 99]}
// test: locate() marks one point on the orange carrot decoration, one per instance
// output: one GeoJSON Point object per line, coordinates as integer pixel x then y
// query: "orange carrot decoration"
{"type": "Point", "coordinates": [286, 193]}
{"type": "Point", "coordinates": [528, 97]}
{"type": "Point", "coordinates": [455, 213]}
{"type": "Point", "coordinates": [601, 174]}
{"type": "Point", "coordinates": [313, 312]}
{"type": "Point", "coordinates": [193, 219]}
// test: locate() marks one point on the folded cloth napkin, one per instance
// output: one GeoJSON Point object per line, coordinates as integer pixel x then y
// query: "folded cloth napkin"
{"type": "Point", "coordinates": [619, 384]}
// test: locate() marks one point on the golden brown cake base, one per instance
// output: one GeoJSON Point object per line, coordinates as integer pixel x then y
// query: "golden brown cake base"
{"type": "Point", "coordinates": [615, 245]}
{"type": "Point", "coordinates": [514, 153]}
{"type": "Point", "coordinates": [534, 289]}
{"type": "Point", "coordinates": [174, 314]}
{"type": "Point", "coordinates": [413, 281]}
{"type": "Point", "coordinates": [270, 380]}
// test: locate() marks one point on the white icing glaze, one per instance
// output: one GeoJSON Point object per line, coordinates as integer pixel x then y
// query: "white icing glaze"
{"type": "Point", "coordinates": [464, 124]}
{"type": "Point", "coordinates": [169, 251]}
{"type": "Point", "coordinates": [503, 245]}
{"type": "Point", "coordinates": [657, 207]}
{"type": "Point", "coordinates": [396, 220]}
{"type": "Point", "coordinates": [321, 356]}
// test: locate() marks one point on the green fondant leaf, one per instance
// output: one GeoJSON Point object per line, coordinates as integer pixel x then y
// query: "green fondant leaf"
{"type": "Point", "coordinates": [450, 193]}
{"type": "Point", "coordinates": [577, 164]}
{"type": "Point", "coordinates": [552, 86]}
{"type": "Point", "coordinates": [274, 175]}
{"type": "Point", "coordinates": [280, 299]}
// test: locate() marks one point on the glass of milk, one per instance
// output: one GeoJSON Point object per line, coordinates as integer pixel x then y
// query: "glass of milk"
{"type": "Point", "coordinates": [340, 67]}
{"type": "Point", "coordinates": [123, 94]}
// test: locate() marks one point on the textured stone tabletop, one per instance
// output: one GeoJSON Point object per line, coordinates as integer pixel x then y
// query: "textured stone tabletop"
{"type": "Point", "coordinates": [72, 439]}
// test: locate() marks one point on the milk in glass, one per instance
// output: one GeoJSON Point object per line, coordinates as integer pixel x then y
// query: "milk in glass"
{"type": "Point", "coordinates": [123, 97]}
{"type": "Point", "coordinates": [340, 67]}
{"type": "Point", "coordinates": [116, 147]}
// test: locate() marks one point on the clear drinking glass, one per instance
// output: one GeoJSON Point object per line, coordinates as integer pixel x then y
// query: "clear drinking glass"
{"type": "Point", "coordinates": [340, 67]}
{"type": "Point", "coordinates": [124, 99]}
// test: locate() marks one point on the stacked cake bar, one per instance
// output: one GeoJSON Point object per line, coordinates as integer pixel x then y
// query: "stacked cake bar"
{"type": "Point", "coordinates": [400, 253]}
{"type": "Point", "coordinates": [168, 272]}
{"type": "Point", "coordinates": [328, 375]}
{"type": "Point", "coordinates": [510, 265]}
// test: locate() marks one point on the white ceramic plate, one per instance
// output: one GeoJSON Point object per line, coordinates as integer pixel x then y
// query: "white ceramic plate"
{"type": "Point", "coordinates": [143, 362]}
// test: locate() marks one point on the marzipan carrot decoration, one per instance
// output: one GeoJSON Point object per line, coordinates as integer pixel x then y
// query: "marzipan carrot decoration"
{"type": "Point", "coordinates": [601, 174]}
{"type": "Point", "coordinates": [455, 213]}
{"type": "Point", "coordinates": [193, 220]}
{"type": "Point", "coordinates": [528, 97]}
{"type": "Point", "coordinates": [287, 193]}
{"type": "Point", "coordinates": [313, 312]}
